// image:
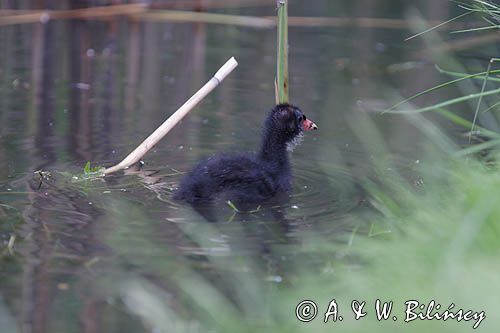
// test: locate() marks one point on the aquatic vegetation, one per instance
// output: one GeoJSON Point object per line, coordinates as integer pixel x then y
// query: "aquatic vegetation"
{"type": "Point", "coordinates": [89, 172]}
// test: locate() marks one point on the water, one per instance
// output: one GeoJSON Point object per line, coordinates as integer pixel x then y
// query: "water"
{"type": "Point", "coordinates": [91, 255]}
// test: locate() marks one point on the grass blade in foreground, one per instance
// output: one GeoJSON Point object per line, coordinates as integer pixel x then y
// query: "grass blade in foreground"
{"type": "Point", "coordinates": [449, 102]}
{"type": "Point", "coordinates": [461, 76]}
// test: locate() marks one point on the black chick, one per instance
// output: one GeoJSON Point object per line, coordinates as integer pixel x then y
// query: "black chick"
{"type": "Point", "coordinates": [245, 178]}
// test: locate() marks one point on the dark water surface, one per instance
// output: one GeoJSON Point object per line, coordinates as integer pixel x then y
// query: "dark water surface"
{"type": "Point", "coordinates": [91, 255]}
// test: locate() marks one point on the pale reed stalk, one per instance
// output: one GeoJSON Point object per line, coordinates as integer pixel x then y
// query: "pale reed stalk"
{"type": "Point", "coordinates": [164, 128]}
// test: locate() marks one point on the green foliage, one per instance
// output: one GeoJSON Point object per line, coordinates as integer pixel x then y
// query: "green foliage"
{"type": "Point", "coordinates": [97, 171]}
{"type": "Point", "coordinates": [437, 241]}
{"type": "Point", "coordinates": [490, 12]}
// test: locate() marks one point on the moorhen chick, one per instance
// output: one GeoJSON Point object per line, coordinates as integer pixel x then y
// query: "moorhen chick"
{"type": "Point", "coordinates": [247, 177]}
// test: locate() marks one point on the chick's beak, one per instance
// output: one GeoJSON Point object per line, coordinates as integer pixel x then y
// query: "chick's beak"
{"type": "Point", "coordinates": [308, 125]}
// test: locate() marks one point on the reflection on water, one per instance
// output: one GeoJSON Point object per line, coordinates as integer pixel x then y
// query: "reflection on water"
{"type": "Point", "coordinates": [116, 254]}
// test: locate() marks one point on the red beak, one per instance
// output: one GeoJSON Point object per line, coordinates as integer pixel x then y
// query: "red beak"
{"type": "Point", "coordinates": [308, 125]}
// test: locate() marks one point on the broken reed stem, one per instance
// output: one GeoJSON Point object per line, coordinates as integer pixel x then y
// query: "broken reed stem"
{"type": "Point", "coordinates": [282, 54]}
{"type": "Point", "coordinates": [149, 13]}
{"type": "Point", "coordinates": [214, 18]}
{"type": "Point", "coordinates": [164, 128]}
{"type": "Point", "coordinates": [208, 4]}
{"type": "Point", "coordinates": [43, 16]}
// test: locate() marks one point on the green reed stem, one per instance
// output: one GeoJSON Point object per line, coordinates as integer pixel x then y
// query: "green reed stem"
{"type": "Point", "coordinates": [282, 60]}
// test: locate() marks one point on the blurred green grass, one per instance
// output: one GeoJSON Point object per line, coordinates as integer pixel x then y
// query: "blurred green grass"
{"type": "Point", "coordinates": [438, 240]}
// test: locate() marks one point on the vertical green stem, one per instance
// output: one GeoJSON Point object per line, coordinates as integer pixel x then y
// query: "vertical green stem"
{"type": "Point", "coordinates": [282, 60]}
